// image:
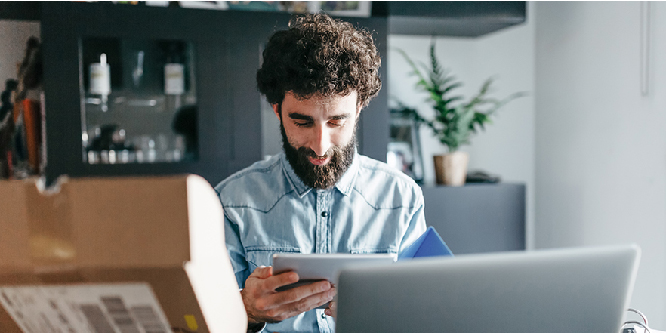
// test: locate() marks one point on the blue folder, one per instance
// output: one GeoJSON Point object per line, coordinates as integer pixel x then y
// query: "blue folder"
{"type": "Point", "coordinates": [429, 244]}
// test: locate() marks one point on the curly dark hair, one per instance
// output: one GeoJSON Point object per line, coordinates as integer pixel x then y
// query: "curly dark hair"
{"type": "Point", "coordinates": [320, 56]}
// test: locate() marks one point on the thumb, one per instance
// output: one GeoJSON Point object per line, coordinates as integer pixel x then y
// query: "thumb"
{"type": "Point", "coordinates": [263, 272]}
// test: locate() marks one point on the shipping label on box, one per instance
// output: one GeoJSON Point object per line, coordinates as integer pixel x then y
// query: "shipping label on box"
{"type": "Point", "coordinates": [124, 308]}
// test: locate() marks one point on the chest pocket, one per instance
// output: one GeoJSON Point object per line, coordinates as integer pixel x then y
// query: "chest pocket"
{"type": "Point", "coordinates": [263, 256]}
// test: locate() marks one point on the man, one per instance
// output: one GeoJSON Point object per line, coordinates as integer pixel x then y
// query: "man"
{"type": "Point", "coordinates": [319, 196]}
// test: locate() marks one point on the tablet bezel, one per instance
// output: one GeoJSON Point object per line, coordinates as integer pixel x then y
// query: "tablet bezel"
{"type": "Point", "coordinates": [326, 266]}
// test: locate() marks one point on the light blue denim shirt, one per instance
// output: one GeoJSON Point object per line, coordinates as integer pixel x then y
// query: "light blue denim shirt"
{"type": "Point", "coordinates": [268, 209]}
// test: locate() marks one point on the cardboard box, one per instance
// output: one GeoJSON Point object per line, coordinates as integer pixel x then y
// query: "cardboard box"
{"type": "Point", "coordinates": [116, 255]}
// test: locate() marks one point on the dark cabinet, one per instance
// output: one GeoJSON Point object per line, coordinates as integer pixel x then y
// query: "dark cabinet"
{"type": "Point", "coordinates": [67, 26]}
{"type": "Point", "coordinates": [450, 18]}
{"type": "Point", "coordinates": [227, 48]}
{"type": "Point", "coordinates": [478, 218]}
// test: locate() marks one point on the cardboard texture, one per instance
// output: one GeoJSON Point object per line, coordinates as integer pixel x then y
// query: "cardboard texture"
{"type": "Point", "coordinates": [167, 232]}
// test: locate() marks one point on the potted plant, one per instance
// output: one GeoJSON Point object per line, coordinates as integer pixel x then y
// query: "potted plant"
{"type": "Point", "coordinates": [455, 119]}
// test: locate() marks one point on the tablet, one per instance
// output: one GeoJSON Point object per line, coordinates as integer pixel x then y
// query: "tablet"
{"type": "Point", "coordinates": [325, 266]}
{"type": "Point", "coordinates": [320, 266]}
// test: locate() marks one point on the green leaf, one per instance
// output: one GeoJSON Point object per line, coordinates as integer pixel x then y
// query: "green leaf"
{"type": "Point", "coordinates": [453, 124]}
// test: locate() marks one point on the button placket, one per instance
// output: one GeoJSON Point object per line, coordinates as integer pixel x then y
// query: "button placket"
{"type": "Point", "coordinates": [323, 242]}
{"type": "Point", "coordinates": [319, 248]}
{"type": "Point", "coordinates": [322, 321]}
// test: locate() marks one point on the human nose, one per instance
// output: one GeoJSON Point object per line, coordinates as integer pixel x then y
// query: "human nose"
{"type": "Point", "coordinates": [321, 141]}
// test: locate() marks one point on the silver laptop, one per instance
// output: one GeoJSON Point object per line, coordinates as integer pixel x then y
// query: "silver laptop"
{"type": "Point", "coordinates": [547, 291]}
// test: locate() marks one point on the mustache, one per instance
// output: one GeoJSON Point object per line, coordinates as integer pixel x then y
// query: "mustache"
{"type": "Point", "coordinates": [307, 152]}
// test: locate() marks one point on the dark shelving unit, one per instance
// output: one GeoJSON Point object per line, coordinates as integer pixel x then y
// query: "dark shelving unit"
{"type": "Point", "coordinates": [450, 18]}
{"type": "Point", "coordinates": [228, 48]}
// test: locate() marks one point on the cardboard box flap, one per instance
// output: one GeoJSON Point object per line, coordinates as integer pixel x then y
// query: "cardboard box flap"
{"type": "Point", "coordinates": [130, 221]}
{"type": "Point", "coordinates": [210, 269]}
{"type": "Point", "coordinates": [103, 222]}
{"type": "Point", "coordinates": [99, 231]}
{"type": "Point", "coordinates": [13, 229]}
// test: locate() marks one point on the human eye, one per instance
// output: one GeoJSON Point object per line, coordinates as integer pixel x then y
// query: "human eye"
{"type": "Point", "coordinates": [303, 123]}
{"type": "Point", "coordinates": [339, 120]}
{"type": "Point", "coordinates": [336, 122]}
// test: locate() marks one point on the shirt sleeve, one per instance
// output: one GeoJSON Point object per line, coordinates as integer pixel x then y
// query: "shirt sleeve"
{"type": "Point", "coordinates": [236, 251]}
{"type": "Point", "coordinates": [417, 225]}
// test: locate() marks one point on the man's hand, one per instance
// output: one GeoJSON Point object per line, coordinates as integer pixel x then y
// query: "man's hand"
{"type": "Point", "coordinates": [264, 304]}
{"type": "Point", "coordinates": [332, 310]}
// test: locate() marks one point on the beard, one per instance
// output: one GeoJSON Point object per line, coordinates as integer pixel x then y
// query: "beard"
{"type": "Point", "coordinates": [319, 176]}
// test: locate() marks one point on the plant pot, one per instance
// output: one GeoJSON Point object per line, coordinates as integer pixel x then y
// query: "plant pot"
{"type": "Point", "coordinates": [451, 169]}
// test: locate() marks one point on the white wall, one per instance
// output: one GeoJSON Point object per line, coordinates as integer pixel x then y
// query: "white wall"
{"type": "Point", "coordinates": [590, 148]}
{"type": "Point", "coordinates": [600, 145]}
{"type": "Point", "coordinates": [13, 38]}
{"type": "Point", "coordinates": [506, 147]}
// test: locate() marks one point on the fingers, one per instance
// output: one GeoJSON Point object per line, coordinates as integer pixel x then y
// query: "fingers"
{"type": "Point", "coordinates": [264, 304]}
{"type": "Point", "coordinates": [281, 279]}
{"type": "Point", "coordinates": [262, 272]}
{"type": "Point", "coordinates": [332, 309]}
{"type": "Point", "coordinates": [306, 304]}
{"type": "Point", "coordinates": [299, 293]}
{"type": "Point", "coordinates": [312, 302]}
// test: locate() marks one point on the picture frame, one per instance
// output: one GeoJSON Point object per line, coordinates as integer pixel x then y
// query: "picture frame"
{"type": "Point", "coordinates": [299, 7]}
{"type": "Point", "coordinates": [219, 5]}
{"type": "Point", "coordinates": [157, 3]}
{"type": "Point", "coordinates": [404, 148]}
{"type": "Point", "coordinates": [346, 8]}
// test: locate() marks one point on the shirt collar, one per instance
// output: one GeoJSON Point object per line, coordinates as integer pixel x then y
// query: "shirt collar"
{"type": "Point", "coordinates": [344, 185]}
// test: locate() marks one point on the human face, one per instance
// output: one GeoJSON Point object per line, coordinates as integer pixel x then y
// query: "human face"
{"type": "Point", "coordinates": [319, 136]}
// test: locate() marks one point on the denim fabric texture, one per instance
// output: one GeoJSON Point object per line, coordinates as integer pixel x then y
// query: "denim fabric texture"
{"type": "Point", "coordinates": [268, 209]}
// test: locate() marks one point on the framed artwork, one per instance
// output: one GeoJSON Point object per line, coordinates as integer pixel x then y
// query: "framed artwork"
{"type": "Point", "coordinates": [404, 148]}
{"type": "Point", "coordinates": [204, 4]}
{"type": "Point", "coordinates": [157, 3]}
{"type": "Point", "coordinates": [266, 6]}
{"type": "Point", "coordinates": [336, 8]}
{"type": "Point", "coordinates": [346, 8]}
{"type": "Point", "coordinates": [299, 7]}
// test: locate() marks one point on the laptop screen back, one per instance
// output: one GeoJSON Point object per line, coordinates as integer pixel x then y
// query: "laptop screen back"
{"type": "Point", "coordinates": [549, 291]}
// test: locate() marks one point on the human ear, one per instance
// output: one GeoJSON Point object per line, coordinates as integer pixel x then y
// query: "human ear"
{"type": "Point", "coordinates": [276, 110]}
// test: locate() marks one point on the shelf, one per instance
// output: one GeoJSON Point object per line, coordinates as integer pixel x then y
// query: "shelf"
{"type": "Point", "coordinates": [450, 18]}
{"type": "Point", "coordinates": [139, 104]}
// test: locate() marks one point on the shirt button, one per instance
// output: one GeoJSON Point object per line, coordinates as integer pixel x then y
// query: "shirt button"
{"type": "Point", "coordinates": [324, 214]}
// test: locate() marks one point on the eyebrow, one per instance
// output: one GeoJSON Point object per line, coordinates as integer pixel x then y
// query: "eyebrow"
{"type": "Point", "coordinates": [300, 116]}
